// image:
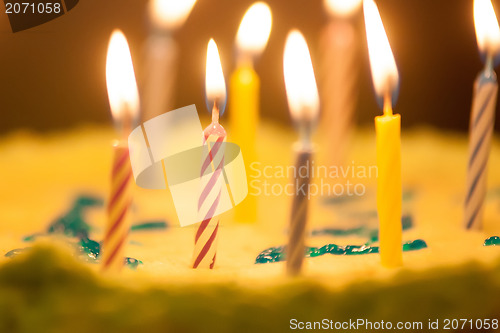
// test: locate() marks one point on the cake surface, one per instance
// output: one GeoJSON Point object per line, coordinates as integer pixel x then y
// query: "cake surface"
{"type": "Point", "coordinates": [455, 276]}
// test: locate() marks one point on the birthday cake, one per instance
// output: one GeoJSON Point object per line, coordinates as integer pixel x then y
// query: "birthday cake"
{"type": "Point", "coordinates": [53, 219]}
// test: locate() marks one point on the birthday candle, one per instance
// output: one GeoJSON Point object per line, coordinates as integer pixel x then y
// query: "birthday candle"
{"type": "Point", "coordinates": [338, 79]}
{"type": "Point", "coordinates": [214, 136]}
{"type": "Point", "coordinates": [124, 105]}
{"type": "Point", "coordinates": [482, 118]}
{"type": "Point", "coordinates": [388, 127]}
{"type": "Point", "coordinates": [251, 40]}
{"type": "Point", "coordinates": [166, 16]}
{"type": "Point", "coordinates": [303, 101]}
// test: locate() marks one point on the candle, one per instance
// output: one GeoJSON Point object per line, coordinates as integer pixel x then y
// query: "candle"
{"type": "Point", "coordinates": [251, 40]}
{"type": "Point", "coordinates": [482, 119]}
{"type": "Point", "coordinates": [303, 101]}
{"type": "Point", "coordinates": [205, 248]}
{"type": "Point", "coordinates": [338, 79]}
{"type": "Point", "coordinates": [124, 105]}
{"type": "Point", "coordinates": [161, 55]}
{"type": "Point", "coordinates": [388, 127]}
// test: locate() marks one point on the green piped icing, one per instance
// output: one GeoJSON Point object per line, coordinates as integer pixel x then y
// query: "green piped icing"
{"type": "Point", "coordinates": [150, 225]}
{"type": "Point", "coordinates": [408, 195]}
{"type": "Point", "coordinates": [277, 254]}
{"type": "Point", "coordinates": [73, 224]}
{"type": "Point", "coordinates": [492, 241]}
{"type": "Point", "coordinates": [15, 252]}
{"type": "Point", "coordinates": [372, 234]}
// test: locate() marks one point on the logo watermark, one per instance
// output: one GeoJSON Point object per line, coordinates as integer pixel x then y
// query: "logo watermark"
{"type": "Point", "coordinates": [344, 180]}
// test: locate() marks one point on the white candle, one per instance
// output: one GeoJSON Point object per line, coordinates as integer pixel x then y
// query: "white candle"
{"type": "Point", "coordinates": [482, 118]}
{"type": "Point", "coordinates": [339, 46]}
{"type": "Point", "coordinates": [161, 55]}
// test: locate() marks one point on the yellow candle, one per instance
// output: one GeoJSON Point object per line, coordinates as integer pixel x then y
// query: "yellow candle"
{"type": "Point", "coordinates": [388, 127]}
{"type": "Point", "coordinates": [251, 40]}
{"type": "Point", "coordinates": [244, 101]}
{"type": "Point", "coordinates": [389, 188]}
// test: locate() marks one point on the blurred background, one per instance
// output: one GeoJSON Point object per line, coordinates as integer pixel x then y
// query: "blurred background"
{"type": "Point", "coordinates": [53, 75]}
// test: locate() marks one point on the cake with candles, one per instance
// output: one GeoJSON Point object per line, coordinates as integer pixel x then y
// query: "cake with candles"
{"type": "Point", "coordinates": [101, 237]}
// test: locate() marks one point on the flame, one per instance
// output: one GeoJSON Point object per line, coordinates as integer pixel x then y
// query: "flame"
{"type": "Point", "coordinates": [120, 79]}
{"type": "Point", "coordinates": [342, 7]}
{"type": "Point", "coordinates": [254, 29]}
{"type": "Point", "coordinates": [170, 14]}
{"type": "Point", "coordinates": [487, 30]}
{"type": "Point", "coordinates": [300, 83]}
{"type": "Point", "coordinates": [383, 66]}
{"type": "Point", "coordinates": [215, 85]}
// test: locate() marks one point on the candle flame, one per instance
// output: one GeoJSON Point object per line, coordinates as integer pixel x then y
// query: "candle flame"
{"type": "Point", "coordinates": [170, 14]}
{"type": "Point", "coordinates": [342, 7]}
{"type": "Point", "coordinates": [120, 79]}
{"type": "Point", "coordinates": [300, 83]}
{"type": "Point", "coordinates": [383, 66]}
{"type": "Point", "coordinates": [254, 29]}
{"type": "Point", "coordinates": [487, 30]}
{"type": "Point", "coordinates": [215, 85]}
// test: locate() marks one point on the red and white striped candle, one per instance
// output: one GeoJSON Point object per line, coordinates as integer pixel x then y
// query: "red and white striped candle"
{"type": "Point", "coordinates": [120, 199]}
{"type": "Point", "coordinates": [213, 162]}
{"type": "Point", "coordinates": [124, 105]}
{"type": "Point", "coordinates": [214, 136]}
{"type": "Point", "coordinates": [482, 118]}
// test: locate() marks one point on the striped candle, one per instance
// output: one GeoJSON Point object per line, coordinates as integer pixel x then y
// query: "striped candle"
{"type": "Point", "coordinates": [298, 219]}
{"type": "Point", "coordinates": [303, 101]}
{"type": "Point", "coordinates": [211, 172]}
{"type": "Point", "coordinates": [480, 133]}
{"type": "Point", "coordinates": [205, 248]}
{"type": "Point", "coordinates": [118, 225]}
{"type": "Point", "coordinates": [124, 104]}
{"type": "Point", "coordinates": [482, 118]}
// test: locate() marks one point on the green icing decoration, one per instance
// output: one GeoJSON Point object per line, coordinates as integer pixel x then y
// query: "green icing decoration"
{"type": "Point", "coordinates": [372, 234]}
{"type": "Point", "coordinates": [149, 226]}
{"type": "Point", "coordinates": [492, 241]}
{"type": "Point", "coordinates": [72, 224]}
{"type": "Point", "coordinates": [276, 254]}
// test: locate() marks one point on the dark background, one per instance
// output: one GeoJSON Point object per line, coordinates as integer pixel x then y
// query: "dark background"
{"type": "Point", "coordinates": [53, 76]}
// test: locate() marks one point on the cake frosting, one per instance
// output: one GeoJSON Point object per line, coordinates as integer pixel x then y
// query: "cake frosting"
{"type": "Point", "coordinates": [453, 274]}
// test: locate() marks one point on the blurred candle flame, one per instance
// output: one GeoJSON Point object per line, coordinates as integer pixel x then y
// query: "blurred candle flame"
{"type": "Point", "coordinates": [300, 83]}
{"type": "Point", "coordinates": [120, 79]}
{"type": "Point", "coordinates": [215, 85]}
{"type": "Point", "coordinates": [383, 66]}
{"type": "Point", "coordinates": [254, 29]}
{"type": "Point", "coordinates": [342, 7]}
{"type": "Point", "coordinates": [487, 30]}
{"type": "Point", "coordinates": [170, 14]}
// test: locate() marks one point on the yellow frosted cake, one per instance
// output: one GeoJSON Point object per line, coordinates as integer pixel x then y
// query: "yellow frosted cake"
{"type": "Point", "coordinates": [52, 218]}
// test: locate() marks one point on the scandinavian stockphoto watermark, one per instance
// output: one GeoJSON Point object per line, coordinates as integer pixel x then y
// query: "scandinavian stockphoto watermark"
{"type": "Point", "coordinates": [277, 180]}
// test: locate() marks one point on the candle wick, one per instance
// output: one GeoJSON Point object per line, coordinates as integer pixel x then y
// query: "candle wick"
{"type": "Point", "coordinates": [245, 59]}
{"type": "Point", "coordinates": [215, 113]}
{"type": "Point", "coordinates": [488, 67]}
{"type": "Point", "coordinates": [387, 105]}
{"type": "Point", "coordinates": [305, 134]}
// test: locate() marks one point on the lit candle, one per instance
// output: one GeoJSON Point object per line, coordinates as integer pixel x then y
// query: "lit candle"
{"type": "Point", "coordinates": [161, 55]}
{"type": "Point", "coordinates": [205, 248]}
{"type": "Point", "coordinates": [388, 127]}
{"type": "Point", "coordinates": [251, 40]}
{"type": "Point", "coordinates": [338, 79]}
{"type": "Point", "coordinates": [303, 101]}
{"type": "Point", "coordinates": [124, 105]}
{"type": "Point", "coordinates": [482, 119]}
